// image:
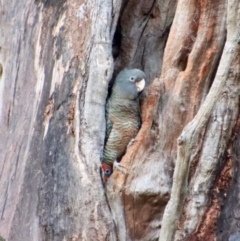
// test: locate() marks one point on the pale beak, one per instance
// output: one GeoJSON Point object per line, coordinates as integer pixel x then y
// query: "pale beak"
{"type": "Point", "coordinates": [140, 85]}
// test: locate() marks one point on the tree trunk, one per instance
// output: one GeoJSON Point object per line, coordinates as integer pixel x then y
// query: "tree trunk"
{"type": "Point", "coordinates": [57, 60]}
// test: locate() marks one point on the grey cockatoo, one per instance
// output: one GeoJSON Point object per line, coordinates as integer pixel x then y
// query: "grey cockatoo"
{"type": "Point", "coordinates": [122, 116]}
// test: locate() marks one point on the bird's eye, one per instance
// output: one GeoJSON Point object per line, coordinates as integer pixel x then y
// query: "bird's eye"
{"type": "Point", "coordinates": [107, 172]}
{"type": "Point", "coordinates": [132, 78]}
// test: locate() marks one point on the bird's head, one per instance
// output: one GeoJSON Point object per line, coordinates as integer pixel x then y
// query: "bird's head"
{"type": "Point", "coordinates": [131, 82]}
{"type": "Point", "coordinates": [107, 171]}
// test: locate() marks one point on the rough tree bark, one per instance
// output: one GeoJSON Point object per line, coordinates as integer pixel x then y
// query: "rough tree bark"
{"type": "Point", "coordinates": [56, 63]}
{"type": "Point", "coordinates": [193, 134]}
{"type": "Point", "coordinates": [56, 60]}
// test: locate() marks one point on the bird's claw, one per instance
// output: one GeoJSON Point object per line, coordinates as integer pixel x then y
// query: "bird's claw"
{"type": "Point", "coordinates": [120, 167]}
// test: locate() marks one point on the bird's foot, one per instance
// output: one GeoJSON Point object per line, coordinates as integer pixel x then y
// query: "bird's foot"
{"type": "Point", "coordinates": [131, 142]}
{"type": "Point", "coordinates": [120, 167]}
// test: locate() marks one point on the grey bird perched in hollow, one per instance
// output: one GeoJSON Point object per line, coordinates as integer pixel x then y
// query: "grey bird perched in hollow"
{"type": "Point", "coordinates": [122, 116]}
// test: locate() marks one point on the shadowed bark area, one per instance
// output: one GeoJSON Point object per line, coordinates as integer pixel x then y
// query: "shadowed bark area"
{"type": "Point", "coordinates": [228, 199]}
{"type": "Point", "coordinates": [144, 28]}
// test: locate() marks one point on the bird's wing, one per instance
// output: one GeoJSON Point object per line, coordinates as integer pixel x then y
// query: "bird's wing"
{"type": "Point", "coordinates": [109, 125]}
{"type": "Point", "coordinates": [108, 129]}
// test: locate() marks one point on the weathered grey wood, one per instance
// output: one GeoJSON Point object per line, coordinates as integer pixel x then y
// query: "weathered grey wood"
{"type": "Point", "coordinates": [57, 62]}
{"type": "Point", "coordinates": [228, 222]}
{"type": "Point", "coordinates": [1, 238]}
